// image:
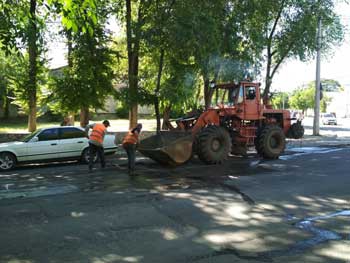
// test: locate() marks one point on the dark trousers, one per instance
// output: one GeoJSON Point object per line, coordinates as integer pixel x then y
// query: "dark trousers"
{"type": "Point", "coordinates": [93, 149]}
{"type": "Point", "coordinates": [131, 152]}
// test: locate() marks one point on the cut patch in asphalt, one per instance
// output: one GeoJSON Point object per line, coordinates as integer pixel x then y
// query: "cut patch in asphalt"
{"type": "Point", "coordinates": [38, 191]}
{"type": "Point", "coordinates": [319, 235]}
{"type": "Point", "coordinates": [300, 151]}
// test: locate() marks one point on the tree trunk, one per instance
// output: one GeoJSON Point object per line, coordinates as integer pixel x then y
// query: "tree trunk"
{"type": "Point", "coordinates": [84, 116]}
{"type": "Point", "coordinates": [166, 118]}
{"type": "Point", "coordinates": [156, 99]}
{"type": "Point", "coordinates": [133, 86]}
{"type": "Point", "coordinates": [32, 113]}
{"type": "Point", "coordinates": [157, 112]}
{"type": "Point", "coordinates": [268, 76]}
{"type": "Point", "coordinates": [198, 93]}
{"type": "Point", "coordinates": [33, 54]}
{"type": "Point", "coordinates": [207, 92]}
{"type": "Point", "coordinates": [6, 107]}
{"type": "Point", "coordinates": [70, 47]}
{"type": "Point", "coordinates": [71, 118]}
{"type": "Point", "coordinates": [133, 61]}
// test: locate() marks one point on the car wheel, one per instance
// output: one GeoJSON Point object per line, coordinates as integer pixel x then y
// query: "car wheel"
{"type": "Point", "coordinates": [7, 161]}
{"type": "Point", "coordinates": [86, 155]}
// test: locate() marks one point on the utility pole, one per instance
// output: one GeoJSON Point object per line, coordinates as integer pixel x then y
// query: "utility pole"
{"type": "Point", "coordinates": [316, 128]}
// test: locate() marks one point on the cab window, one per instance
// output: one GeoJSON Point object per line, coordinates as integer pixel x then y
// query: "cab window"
{"type": "Point", "coordinates": [240, 95]}
{"type": "Point", "coordinates": [220, 97]}
{"type": "Point", "coordinates": [250, 93]}
{"type": "Point", "coordinates": [232, 96]}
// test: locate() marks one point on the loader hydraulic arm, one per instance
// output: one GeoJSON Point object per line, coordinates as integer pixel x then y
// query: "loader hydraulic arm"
{"type": "Point", "coordinates": [209, 117]}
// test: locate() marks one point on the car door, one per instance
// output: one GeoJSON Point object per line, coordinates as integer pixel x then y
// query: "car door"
{"type": "Point", "coordinates": [44, 146]}
{"type": "Point", "coordinates": [72, 141]}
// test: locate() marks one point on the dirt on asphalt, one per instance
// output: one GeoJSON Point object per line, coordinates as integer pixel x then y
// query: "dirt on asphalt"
{"type": "Point", "coordinates": [240, 211]}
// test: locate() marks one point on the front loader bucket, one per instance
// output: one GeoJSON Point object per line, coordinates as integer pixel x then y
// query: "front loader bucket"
{"type": "Point", "coordinates": [170, 148]}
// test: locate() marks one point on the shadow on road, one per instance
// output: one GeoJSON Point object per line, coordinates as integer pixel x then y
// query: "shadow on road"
{"type": "Point", "coordinates": [332, 128]}
{"type": "Point", "coordinates": [192, 213]}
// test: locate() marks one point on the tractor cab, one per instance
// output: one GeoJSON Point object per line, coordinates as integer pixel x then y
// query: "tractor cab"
{"type": "Point", "coordinates": [241, 100]}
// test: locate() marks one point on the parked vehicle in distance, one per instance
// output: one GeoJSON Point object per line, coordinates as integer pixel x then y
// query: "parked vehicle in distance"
{"type": "Point", "coordinates": [50, 144]}
{"type": "Point", "coordinates": [328, 119]}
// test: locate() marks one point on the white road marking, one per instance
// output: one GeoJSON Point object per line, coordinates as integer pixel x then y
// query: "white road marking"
{"type": "Point", "coordinates": [308, 150]}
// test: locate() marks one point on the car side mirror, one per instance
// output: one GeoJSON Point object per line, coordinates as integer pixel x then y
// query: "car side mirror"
{"type": "Point", "coordinates": [34, 139]}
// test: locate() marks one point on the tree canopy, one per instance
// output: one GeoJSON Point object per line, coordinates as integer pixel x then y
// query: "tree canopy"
{"type": "Point", "coordinates": [304, 98]}
{"type": "Point", "coordinates": [165, 47]}
{"type": "Point", "coordinates": [285, 29]}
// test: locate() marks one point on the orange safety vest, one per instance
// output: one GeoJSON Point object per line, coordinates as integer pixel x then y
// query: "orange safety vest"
{"type": "Point", "coordinates": [98, 133]}
{"type": "Point", "coordinates": [131, 138]}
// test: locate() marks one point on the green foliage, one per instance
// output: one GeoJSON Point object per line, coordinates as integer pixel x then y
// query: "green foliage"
{"type": "Point", "coordinates": [324, 103]}
{"type": "Point", "coordinates": [199, 40]}
{"type": "Point", "coordinates": [180, 80]}
{"type": "Point", "coordinates": [7, 28]}
{"type": "Point", "coordinates": [16, 79]}
{"type": "Point", "coordinates": [212, 33]}
{"type": "Point", "coordinates": [4, 77]}
{"type": "Point", "coordinates": [287, 29]}
{"type": "Point", "coordinates": [280, 100]}
{"type": "Point", "coordinates": [79, 16]}
{"type": "Point", "coordinates": [15, 26]}
{"type": "Point", "coordinates": [304, 98]}
{"type": "Point", "coordinates": [331, 85]}
{"type": "Point", "coordinates": [88, 81]}
{"type": "Point", "coordinates": [122, 112]}
{"type": "Point", "coordinates": [22, 35]}
{"type": "Point", "coordinates": [222, 40]}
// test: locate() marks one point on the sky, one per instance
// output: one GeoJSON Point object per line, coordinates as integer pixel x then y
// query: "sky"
{"type": "Point", "coordinates": [292, 73]}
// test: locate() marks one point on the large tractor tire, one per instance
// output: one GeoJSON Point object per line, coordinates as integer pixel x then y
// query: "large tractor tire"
{"type": "Point", "coordinates": [238, 148]}
{"type": "Point", "coordinates": [296, 131]}
{"type": "Point", "coordinates": [270, 142]}
{"type": "Point", "coordinates": [213, 145]}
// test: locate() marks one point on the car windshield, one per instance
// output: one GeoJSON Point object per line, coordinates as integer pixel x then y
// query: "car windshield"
{"type": "Point", "coordinates": [30, 136]}
{"type": "Point", "coordinates": [328, 115]}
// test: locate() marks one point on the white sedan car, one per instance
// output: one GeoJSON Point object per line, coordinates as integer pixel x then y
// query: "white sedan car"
{"type": "Point", "coordinates": [328, 119]}
{"type": "Point", "coordinates": [50, 144]}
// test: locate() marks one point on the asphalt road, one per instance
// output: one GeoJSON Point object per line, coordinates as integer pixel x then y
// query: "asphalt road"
{"type": "Point", "coordinates": [247, 210]}
{"type": "Point", "coordinates": [340, 130]}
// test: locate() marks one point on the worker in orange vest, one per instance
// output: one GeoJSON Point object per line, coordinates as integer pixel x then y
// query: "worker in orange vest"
{"type": "Point", "coordinates": [96, 142]}
{"type": "Point", "coordinates": [129, 143]}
